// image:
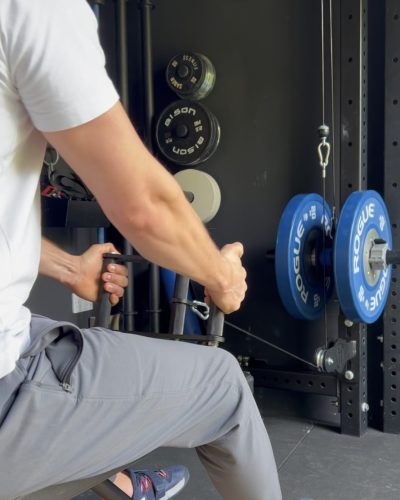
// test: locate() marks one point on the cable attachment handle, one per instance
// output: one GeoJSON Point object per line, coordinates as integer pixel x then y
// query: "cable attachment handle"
{"type": "Point", "coordinates": [324, 148]}
{"type": "Point", "coordinates": [197, 308]}
{"type": "Point", "coordinates": [104, 311]}
{"type": "Point", "coordinates": [201, 309]}
{"type": "Point", "coordinates": [215, 325]}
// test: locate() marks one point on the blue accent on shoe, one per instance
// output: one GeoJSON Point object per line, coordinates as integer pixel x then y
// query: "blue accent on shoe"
{"type": "Point", "coordinates": [159, 484]}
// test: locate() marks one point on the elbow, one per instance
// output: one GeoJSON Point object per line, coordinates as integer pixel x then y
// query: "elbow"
{"type": "Point", "coordinates": [147, 216]}
{"type": "Point", "coordinates": [139, 221]}
{"type": "Point", "coordinates": [135, 221]}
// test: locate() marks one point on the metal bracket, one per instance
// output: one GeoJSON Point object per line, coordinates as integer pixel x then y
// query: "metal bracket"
{"type": "Point", "coordinates": [336, 357]}
{"type": "Point", "coordinates": [201, 309]}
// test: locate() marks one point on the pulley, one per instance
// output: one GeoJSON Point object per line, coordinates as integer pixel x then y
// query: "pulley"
{"type": "Point", "coordinates": [187, 133]}
{"type": "Point", "coordinates": [191, 75]}
{"type": "Point", "coordinates": [358, 262]}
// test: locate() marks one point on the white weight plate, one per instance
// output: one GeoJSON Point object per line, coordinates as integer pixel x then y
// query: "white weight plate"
{"type": "Point", "coordinates": [207, 195]}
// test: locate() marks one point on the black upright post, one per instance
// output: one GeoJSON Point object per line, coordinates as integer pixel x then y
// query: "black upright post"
{"type": "Point", "coordinates": [178, 307]}
{"type": "Point", "coordinates": [95, 4]}
{"type": "Point", "coordinates": [146, 7]}
{"type": "Point", "coordinates": [123, 53]}
{"type": "Point", "coordinates": [129, 296]}
{"type": "Point", "coordinates": [353, 177]}
{"type": "Point", "coordinates": [391, 320]}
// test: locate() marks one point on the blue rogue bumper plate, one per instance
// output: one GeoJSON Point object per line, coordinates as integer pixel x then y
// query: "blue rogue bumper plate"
{"type": "Point", "coordinates": [302, 256]}
{"type": "Point", "coordinates": [362, 292]}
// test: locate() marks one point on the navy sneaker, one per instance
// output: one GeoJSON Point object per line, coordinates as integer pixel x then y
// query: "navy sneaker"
{"type": "Point", "coordinates": [158, 484]}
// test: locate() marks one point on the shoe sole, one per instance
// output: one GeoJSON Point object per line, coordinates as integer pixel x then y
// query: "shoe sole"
{"type": "Point", "coordinates": [173, 491]}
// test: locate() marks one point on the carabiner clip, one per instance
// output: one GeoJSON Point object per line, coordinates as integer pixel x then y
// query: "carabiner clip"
{"type": "Point", "coordinates": [195, 305]}
{"type": "Point", "coordinates": [324, 151]}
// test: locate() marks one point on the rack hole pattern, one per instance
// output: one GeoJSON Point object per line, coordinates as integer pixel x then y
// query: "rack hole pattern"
{"type": "Point", "coordinates": [392, 311]}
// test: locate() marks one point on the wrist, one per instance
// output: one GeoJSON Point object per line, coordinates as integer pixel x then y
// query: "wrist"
{"type": "Point", "coordinates": [221, 279]}
{"type": "Point", "coordinates": [59, 265]}
{"type": "Point", "coordinates": [68, 271]}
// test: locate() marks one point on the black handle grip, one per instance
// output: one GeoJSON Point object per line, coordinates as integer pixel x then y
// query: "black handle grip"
{"type": "Point", "coordinates": [215, 324]}
{"type": "Point", "coordinates": [178, 308]}
{"type": "Point", "coordinates": [104, 312]}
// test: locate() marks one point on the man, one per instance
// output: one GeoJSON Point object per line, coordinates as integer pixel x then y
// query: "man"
{"type": "Point", "coordinates": [78, 403]}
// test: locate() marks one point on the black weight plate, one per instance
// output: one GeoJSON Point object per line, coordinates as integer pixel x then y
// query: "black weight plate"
{"type": "Point", "coordinates": [184, 131]}
{"type": "Point", "coordinates": [191, 75]}
{"type": "Point", "coordinates": [214, 141]}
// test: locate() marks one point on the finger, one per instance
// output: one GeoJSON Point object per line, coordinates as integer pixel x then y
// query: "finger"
{"type": "Point", "coordinates": [108, 248]}
{"type": "Point", "coordinates": [118, 269]}
{"type": "Point", "coordinates": [238, 249]}
{"type": "Point", "coordinates": [114, 299]}
{"type": "Point", "coordinates": [235, 249]}
{"type": "Point", "coordinates": [116, 279]}
{"type": "Point", "coordinates": [116, 290]}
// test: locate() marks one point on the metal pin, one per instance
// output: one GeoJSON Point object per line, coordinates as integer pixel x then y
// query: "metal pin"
{"type": "Point", "coordinates": [349, 375]}
{"type": "Point", "coordinates": [365, 407]}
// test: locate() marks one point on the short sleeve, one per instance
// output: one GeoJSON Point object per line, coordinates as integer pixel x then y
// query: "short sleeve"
{"type": "Point", "coordinates": [56, 62]}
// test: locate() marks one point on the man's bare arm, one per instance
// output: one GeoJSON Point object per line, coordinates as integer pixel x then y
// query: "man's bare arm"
{"type": "Point", "coordinates": [82, 273]}
{"type": "Point", "coordinates": [148, 207]}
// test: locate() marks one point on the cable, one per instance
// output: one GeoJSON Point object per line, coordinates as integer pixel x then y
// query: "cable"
{"type": "Point", "coordinates": [323, 60]}
{"type": "Point", "coordinates": [326, 162]}
{"type": "Point", "coordinates": [332, 109]}
{"type": "Point", "coordinates": [270, 344]}
{"type": "Point", "coordinates": [333, 221]}
{"type": "Point", "coordinates": [324, 264]}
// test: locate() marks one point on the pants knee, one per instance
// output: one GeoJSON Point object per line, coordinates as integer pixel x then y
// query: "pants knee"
{"type": "Point", "coordinates": [231, 367]}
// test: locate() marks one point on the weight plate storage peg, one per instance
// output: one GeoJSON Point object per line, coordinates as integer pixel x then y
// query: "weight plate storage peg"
{"type": "Point", "coordinates": [187, 133]}
{"type": "Point", "coordinates": [303, 256]}
{"type": "Point", "coordinates": [361, 287]}
{"type": "Point", "coordinates": [202, 191]}
{"type": "Point", "coordinates": [191, 75]}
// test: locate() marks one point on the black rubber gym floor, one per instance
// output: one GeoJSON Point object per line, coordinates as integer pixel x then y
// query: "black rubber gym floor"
{"type": "Point", "coordinates": [315, 463]}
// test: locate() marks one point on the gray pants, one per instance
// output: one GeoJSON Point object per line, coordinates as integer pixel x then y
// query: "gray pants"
{"type": "Point", "coordinates": [82, 402]}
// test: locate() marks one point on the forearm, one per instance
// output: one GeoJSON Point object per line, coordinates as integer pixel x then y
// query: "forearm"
{"type": "Point", "coordinates": [167, 231]}
{"type": "Point", "coordinates": [141, 198]}
{"type": "Point", "coordinates": [57, 264]}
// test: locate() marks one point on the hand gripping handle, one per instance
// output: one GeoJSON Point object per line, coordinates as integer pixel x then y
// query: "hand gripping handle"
{"type": "Point", "coordinates": [104, 312]}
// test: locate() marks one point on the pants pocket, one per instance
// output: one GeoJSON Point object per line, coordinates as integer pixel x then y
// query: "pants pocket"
{"type": "Point", "coordinates": [64, 354]}
{"type": "Point", "coordinates": [57, 347]}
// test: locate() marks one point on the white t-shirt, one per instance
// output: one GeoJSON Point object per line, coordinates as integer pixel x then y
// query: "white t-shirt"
{"type": "Point", "coordinates": [52, 78]}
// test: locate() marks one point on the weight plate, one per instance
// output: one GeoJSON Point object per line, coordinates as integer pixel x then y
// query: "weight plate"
{"type": "Point", "coordinates": [187, 133]}
{"type": "Point", "coordinates": [191, 75]}
{"type": "Point", "coordinates": [362, 291]}
{"type": "Point", "coordinates": [214, 140]}
{"type": "Point", "coordinates": [302, 256]}
{"type": "Point", "coordinates": [206, 193]}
